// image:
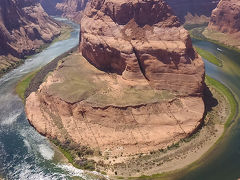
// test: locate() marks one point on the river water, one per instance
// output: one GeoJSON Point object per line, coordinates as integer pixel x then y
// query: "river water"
{"type": "Point", "coordinates": [223, 162]}
{"type": "Point", "coordinates": [24, 154]}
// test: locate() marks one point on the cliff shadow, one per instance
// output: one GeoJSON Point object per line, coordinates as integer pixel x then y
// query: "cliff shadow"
{"type": "Point", "coordinates": [209, 100]}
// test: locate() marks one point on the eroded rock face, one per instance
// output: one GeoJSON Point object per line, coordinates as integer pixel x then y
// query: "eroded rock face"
{"type": "Point", "coordinates": [71, 9]}
{"type": "Point", "coordinates": [226, 17]}
{"type": "Point", "coordinates": [50, 6]}
{"type": "Point", "coordinates": [24, 27]}
{"type": "Point", "coordinates": [85, 107]}
{"type": "Point", "coordinates": [196, 7]}
{"type": "Point", "coordinates": [151, 99]}
{"type": "Point", "coordinates": [141, 40]}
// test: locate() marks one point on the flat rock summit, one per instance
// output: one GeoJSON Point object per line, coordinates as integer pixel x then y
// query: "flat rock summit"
{"type": "Point", "coordinates": [135, 87]}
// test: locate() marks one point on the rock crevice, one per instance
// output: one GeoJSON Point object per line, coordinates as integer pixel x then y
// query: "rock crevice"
{"type": "Point", "coordinates": [136, 87]}
{"type": "Point", "coordinates": [140, 39]}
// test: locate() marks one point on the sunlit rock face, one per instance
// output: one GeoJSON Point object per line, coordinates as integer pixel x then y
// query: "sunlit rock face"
{"type": "Point", "coordinates": [226, 17]}
{"type": "Point", "coordinates": [71, 9]}
{"type": "Point", "coordinates": [24, 27]}
{"type": "Point", "coordinates": [141, 40]}
{"type": "Point", "coordinates": [199, 7]}
{"type": "Point", "coordinates": [138, 90]}
{"type": "Point", "coordinates": [50, 6]}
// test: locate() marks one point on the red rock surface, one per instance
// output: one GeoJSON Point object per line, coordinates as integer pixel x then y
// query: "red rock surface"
{"type": "Point", "coordinates": [141, 40]}
{"type": "Point", "coordinates": [24, 27]}
{"type": "Point", "coordinates": [195, 7]}
{"type": "Point", "coordinates": [226, 17]}
{"type": "Point", "coordinates": [71, 9]}
{"type": "Point", "coordinates": [151, 99]}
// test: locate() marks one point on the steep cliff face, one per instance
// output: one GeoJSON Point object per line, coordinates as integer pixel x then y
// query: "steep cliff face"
{"type": "Point", "coordinates": [226, 17]}
{"type": "Point", "coordinates": [141, 40]}
{"type": "Point", "coordinates": [199, 7]}
{"type": "Point", "coordinates": [50, 6]}
{"type": "Point", "coordinates": [71, 9]}
{"type": "Point", "coordinates": [24, 27]}
{"type": "Point", "coordinates": [140, 89]}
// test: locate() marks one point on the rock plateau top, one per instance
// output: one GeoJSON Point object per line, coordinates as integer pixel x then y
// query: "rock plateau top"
{"type": "Point", "coordinates": [136, 87]}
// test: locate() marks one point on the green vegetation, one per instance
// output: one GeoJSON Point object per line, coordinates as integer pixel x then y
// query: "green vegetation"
{"type": "Point", "coordinates": [75, 154]}
{"type": "Point", "coordinates": [85, 82]}
{"type": "Point", "coordinates": [164, 176]}
{"type": "Point", "coordinates": [65, 34]}
{"type": "Point", "coordinates": [24, 84]}
{"type": "Point", "coordinates": [196, 32]}
{"type": "Point", "coordinates": [193, 26]}
{"type": "Point", "coordinates": [209, 56]}
{"type": "Point", "coordinates": [230, 98]}
{"type": "Point", "coordinates": [9, 63]}
{"type": "Point", "coordinates": [219, 87]}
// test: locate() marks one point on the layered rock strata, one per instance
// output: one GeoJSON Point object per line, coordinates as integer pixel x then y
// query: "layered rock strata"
{"type": "Point", "coordinates": [224, 25]}
{"type": "Point", "coordinates": [194, 7]}
{"type": "Point", "coordinates": [226, 17]}
{"type": "Point", "coordinates": [24, 27]}
{"type": "Point", "coordinates": [141, 40]}
{"type": "Point", "coordinates": [71, 9]}
{"type": "Point", "coordinates": [138, 90]}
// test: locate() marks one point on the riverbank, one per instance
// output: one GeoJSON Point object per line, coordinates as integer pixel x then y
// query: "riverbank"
{"type": "Point", "coordinates": [209, 56]}
{"type": "Point", "coordinates": [186, 155]}
{"type": "Point", "coordinates": [9, 62]}
{"type": "Point", "coordinates": [177, 155]}
{"type": "Point", "coordinates": [200, 32]}
{"type": "Point", "coordinates": [31, 82]}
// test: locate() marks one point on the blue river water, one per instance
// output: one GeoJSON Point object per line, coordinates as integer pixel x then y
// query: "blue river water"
{"type": "Point", "coordinates": [24, 154]}
{"type": "Point", "coordinates": [223, 162]}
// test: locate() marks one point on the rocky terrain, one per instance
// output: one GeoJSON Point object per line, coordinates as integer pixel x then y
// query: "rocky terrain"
{"type": "Point", "coordinates": [136, 87]}
{"type": "Point", "coordinates": [226, 17]}
{"type": "Point", "coordinates": [194, 7]}
{"type": "Point", "coordinates": [71, 9]}
{"type": "Point", "coordinates": [224, 25]}
{"type": "Point", "coordinates": [50, 7]}
{"type": "Point", "coordinates": [24, 27]}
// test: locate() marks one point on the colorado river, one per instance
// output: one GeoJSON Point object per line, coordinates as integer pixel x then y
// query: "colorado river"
{"type": "Point", "coordinates": [223, 162]}
{"type": "Point", "coordinates": [24, 154]}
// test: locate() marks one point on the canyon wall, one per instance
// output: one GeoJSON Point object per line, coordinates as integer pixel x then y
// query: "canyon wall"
{"type": "Point", "coordinates": [71, 9]}
{"type": "Point", "coordinates": [141, 41]}
{"type": "Point", "coordinates": [136, 87]}
{"type": "Point", "coordinates": [24, 27]}
{"type": "Point", "coordinates": [196, 7]}
{"type": "Point", "coordinates": [226, 17]}
{"type": "Point", "coordinates": [50, 7]}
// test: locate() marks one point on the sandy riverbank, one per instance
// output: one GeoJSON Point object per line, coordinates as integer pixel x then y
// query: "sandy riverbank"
{"type": "Point", "coordinates": [183, 153]}
{"type": "Point", "coordinates": [8, 63]}
{"type": "Point", "coordinates": [189, 150]}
